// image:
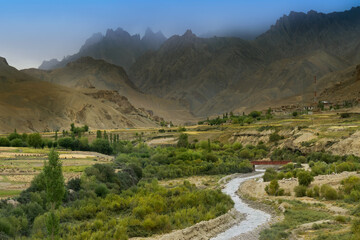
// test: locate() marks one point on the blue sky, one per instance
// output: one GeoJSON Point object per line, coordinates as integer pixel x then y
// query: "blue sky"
{"type": "Point", "coordinates": [34, 30]}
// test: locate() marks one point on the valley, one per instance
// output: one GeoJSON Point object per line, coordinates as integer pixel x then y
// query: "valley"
{"type": "Point", "coordinates": [183, 135]}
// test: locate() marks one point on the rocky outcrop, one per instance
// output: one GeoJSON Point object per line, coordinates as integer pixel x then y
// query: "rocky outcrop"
{"type": "Point", "coordinates": [347, 146]}
{"type": "Point", "coordinates": [3, 61]}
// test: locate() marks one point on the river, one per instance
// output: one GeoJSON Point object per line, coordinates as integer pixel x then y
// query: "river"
{"type": "Point", "coordinates": [254, 217]}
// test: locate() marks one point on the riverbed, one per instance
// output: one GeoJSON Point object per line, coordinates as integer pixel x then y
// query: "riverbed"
{"type": "Point", "coordinates": [254, 217]}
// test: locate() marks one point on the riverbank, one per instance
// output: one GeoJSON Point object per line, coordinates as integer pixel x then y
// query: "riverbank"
{"type": "Point", "coordinates": [241, 218]}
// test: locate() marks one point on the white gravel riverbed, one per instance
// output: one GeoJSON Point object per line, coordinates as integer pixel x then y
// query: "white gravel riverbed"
{"type": "Point", "coordinates": [254, 217]}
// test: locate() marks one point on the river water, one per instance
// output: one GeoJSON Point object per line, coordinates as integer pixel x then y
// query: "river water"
{"type": "Point", "coordinates": [254, 217]}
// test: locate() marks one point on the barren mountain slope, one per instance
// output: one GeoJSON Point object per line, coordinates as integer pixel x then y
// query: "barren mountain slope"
{"type": "Point", "coordinates": [215, 75]}
{"type": "Point", "coordinates": [347, 87]}
{"type": "Point", "coordinates": [88, 73]}
{"type": "Point", "coordinates": [29, 104]}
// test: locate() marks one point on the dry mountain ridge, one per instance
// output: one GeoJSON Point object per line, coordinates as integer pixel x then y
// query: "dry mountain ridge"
{"type": "Point", "coordinates": [209, 76]}
{"type": "Point", "coordinates": [28, 104]}
{"type": "Point", "coordinates": [87, 73]}
{"type": "Point", "coordinates": [221, 74]}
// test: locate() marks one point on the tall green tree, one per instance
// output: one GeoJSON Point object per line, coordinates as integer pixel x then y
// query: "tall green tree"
{"type": "Point", "coordinates": [98, 134]}
{"type": "Point", "coordinates": [183, 141]}
{"type": "Point", "coordinates": [55, 191]}
{"type": "Point", "coordinates": [35, 140]}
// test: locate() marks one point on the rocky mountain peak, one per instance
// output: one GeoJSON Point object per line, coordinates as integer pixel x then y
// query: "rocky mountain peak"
{"type": "Point", "coordinates": [3, 61]}
{"type": "Point", "coordinates": [153, 40]}
{"type": "Point", "coordinates": [95, 38]}
{"type": "Point", "coordinates": [189, 34]}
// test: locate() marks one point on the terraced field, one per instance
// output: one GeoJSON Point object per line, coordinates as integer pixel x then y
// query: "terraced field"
{"type": "Point", "coordinates": [18, 166]}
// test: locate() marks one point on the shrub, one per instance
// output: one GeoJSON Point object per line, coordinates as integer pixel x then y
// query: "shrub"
{"type": "Point", "coordinates": [4, 142]}
{"type": "Point", "coordinates": [66, 142]}
{"type": "Point", "coordinates": [300, 191]}
{"type": "Point", "coordinates": [211, 157]}
{"type": "Point", "coordinates": [5, 226]}
{"type": "Point", "coordinates": [236, 146]}
{"type": "Point", "coordinates": [328, 192]}
{"type": "Point", "coordinates": [295, 114]}
{"type": "Point", "coordinates": [35, 140]}
{"type": "Point", "coordinates": [310, 192]}
{"type": "Point", "coordinates": [351, 183]}
{"type": "Point", "coordinates": [255, 114]}
{"type": "Point", "coordinates": [354, 196]}
{"type": "Point", "coordinates": [17, 142]}
{"type": "Point", "coordinates": [270, 174]}
{"type": "Point", "coordinates": [274, 189]}
{"type": "Point", "coordinates": [305, 178]}
{"type": "Point", "coordinates": [101, 146]}
{"type": "Point", "coordinates": [101, 190]}
{"type": "Point", "coordinates": [274, 137]}
{"type": "Point", "coordinates": [355, 228]}
{"type": "Point", "coordinates": [341, 219]}
{"type": "Point", "coordinates": [74, 184]}
{"type": "Point", "coordinates": [245, 153]}
{"type": "Point", "coordinates": [345, 115]}
{"type": "Point", "coordinates": [316, 191]}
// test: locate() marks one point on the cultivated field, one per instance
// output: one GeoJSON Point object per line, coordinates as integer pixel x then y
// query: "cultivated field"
{"type": "Point", "coordinates": [18, 166]}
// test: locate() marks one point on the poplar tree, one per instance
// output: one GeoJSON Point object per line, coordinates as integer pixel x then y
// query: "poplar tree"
{"type": "Point", "coordinates": [55, 191]}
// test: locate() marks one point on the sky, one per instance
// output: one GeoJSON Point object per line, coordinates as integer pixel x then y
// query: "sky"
{"type": "Point", "coordinates": [35, 30]}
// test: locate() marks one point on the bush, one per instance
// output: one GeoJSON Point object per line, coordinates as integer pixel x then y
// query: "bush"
{"type": "Point", "coordinates": [273, 189]}
{"type": "Point", "coordinates": [5, 227]}
{"type": "Point", "coordinates": [345, 115]}
{"type": "Point", "coordinates": [295, 114]}
{"type": "Point", "coordinates": [274, 137]}
{"type": "Point", "coordinates": [65, 142]}
{"type": "Point", "coordinates": [101, 190]}
{"type": "Point", "coordinates": [300, 191]}
{"type": "Point", "coordinates": [35, 140]}
{"type": "Point", "coordinates": [341, 219]}
{"type": "Point", "coordinates": [305, 178]}
{"type": "Point", "coordinates": [17, 142]}
{"type": "Point", "coordinates": [4, 142]}
{"type": "Point", "coordinates": [101, 146]}
{"type": "Point", "coordinates": [351, 183]}
{"type": "Point", "coordinates": [316, 190]}
{"type": "Point", "coordinates": [328, 192]}
{"type": "Point", "coordinates": [355, 228]}
{"type": "Point", "coordinates": [255, 114]}
{"type": "Point", "coordinates": [74, 184]}
{"type": "Point", "coordinates": [310, 192]}
{"type": "Point", "coordinates": [270, 174]}
{"type": "Point", "coordinates": [211, 158]}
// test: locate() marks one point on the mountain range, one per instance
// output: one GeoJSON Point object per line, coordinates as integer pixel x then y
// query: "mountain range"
{"type": "Point", "coordinates": [117, 47]}
{"type": "Point", "coordinates": [209, 76]}
{"type": "Point", "coordinates": [122, 80]}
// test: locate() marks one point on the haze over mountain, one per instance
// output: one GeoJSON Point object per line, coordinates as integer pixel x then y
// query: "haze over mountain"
{"type": "Point", "coordinates": [117, 47]}
{"type": "Point", "coordinates": [210, 76]}
{"type": "Point", "coordinates": [221, 74]}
